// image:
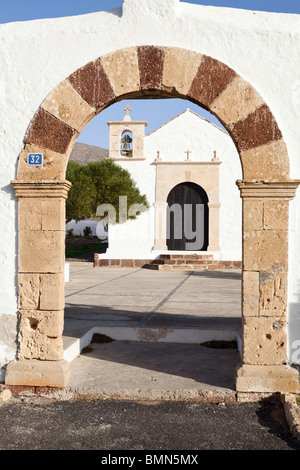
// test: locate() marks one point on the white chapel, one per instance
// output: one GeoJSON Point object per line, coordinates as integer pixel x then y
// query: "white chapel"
{"type": "Point", "coordinates": [188, 170]}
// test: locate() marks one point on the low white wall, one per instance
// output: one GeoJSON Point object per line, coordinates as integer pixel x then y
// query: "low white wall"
{"type": "Point", "coordinates": [77, 228]}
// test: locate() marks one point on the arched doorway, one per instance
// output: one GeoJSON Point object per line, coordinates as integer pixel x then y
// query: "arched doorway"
{"type": "Point", "coordinates": [187, 218]}
{"type": "Point", "coordinates": [266, 190]}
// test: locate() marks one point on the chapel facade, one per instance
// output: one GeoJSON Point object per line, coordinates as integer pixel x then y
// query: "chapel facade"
{"type": "Point", "coordinates": [188, 169]}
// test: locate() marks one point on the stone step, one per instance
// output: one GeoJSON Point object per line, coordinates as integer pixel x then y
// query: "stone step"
{"type": "Point", "coordinates": [181, 261]}
{"type": "Point", "coordinates": [186, 256]}
{"type": "Point", "coordinates": [75, 342]}
{"type": "Point", "coordinates": [187, 267]}
{"type": "Point", "coordinates": [187, 261]}
{"type": "Point", "coordinates": [192, 265]}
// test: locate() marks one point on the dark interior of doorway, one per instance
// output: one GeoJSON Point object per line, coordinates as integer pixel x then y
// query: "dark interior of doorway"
{"type": "Point", "coordinates": [189, 198]}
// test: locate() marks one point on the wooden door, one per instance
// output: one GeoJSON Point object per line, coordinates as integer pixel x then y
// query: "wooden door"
{"type": "Point", "coordinates": [187, 218]}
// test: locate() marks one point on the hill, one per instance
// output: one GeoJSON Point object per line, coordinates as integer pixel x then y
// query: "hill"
{"type": "Point", "coordinates": [83, 153]}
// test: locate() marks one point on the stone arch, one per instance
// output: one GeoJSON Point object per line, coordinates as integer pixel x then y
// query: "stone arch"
{"type": "Point", "coordinates": [152, 70]}
{"type": "Point", "coordinates": [265, 189]}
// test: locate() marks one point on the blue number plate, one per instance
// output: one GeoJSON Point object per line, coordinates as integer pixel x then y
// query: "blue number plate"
{"type": "Point", "coordinates": [35, 159]}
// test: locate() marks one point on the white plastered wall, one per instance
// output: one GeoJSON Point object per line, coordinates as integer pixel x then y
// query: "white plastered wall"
{"type": "Point", "coordinates": [263, 48]}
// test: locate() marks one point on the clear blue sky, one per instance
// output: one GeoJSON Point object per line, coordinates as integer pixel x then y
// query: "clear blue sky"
{"type": "Point", "coordinates": [22, 10]}
{"type": "Point", "coordinates": [156, 112]}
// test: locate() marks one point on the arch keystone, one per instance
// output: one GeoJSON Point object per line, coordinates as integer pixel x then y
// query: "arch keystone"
{"type": "Point", "coordinates": [151, 65]}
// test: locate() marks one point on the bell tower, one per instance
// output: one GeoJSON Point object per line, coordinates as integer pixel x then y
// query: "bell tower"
{"type": "Point", "coordinates": [126, 138]}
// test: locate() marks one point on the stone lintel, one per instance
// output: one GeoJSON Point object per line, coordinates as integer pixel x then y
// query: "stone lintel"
{"type": "Point", "coordinates": [38, 373]}
{"type": "Point", "coordinates": [126, 123]}
{"type": "Point", "coordinates": [267, 378]}
{"type": "Point", "coordinates": [268, 189]}
{"type": "Point", "coordinates": [42, 189]}
{"type": "Point", "coordinates": [128, 159]}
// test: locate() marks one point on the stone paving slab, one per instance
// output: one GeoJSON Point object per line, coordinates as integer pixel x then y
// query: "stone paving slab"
{"type": "Point", "coordinates": [141, 310]}
{"type": "Point", "coordinates": [141, 297]}
{"type": "Point", "coordinates": [135, 370]}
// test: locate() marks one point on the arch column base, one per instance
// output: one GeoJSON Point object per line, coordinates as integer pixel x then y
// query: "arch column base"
{"type": "Point", "coordinates": [213, 248]}
{"type": "Point", "coordinates": [267, 378]}
{"type": "Point", "coordinates": [38, 373]}
{"type": "Point", "coordinates": [160, 247]}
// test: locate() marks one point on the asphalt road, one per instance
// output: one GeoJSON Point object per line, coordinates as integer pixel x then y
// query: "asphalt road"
{"type": "Point", "coordinates": [42, 424]}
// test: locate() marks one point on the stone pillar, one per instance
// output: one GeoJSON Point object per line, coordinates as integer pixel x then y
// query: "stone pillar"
{"type": "Point", "coordinates": [160, 226]}
{"type": "Point", "coordinates": [41, 261]}
{"type": "Point", "coordinates": [264, 365]}
{"type": "Point", "coordinates": [213, 227]}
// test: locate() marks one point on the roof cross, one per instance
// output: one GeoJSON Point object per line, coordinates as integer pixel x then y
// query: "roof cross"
{"type": "Point", "coordinates": [188, 155]}
{"type": "Point", "coordinates": [127, 109]}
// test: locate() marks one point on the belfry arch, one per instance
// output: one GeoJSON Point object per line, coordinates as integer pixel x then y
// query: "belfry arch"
{"type": "Point", "coordinates": [266, 189]}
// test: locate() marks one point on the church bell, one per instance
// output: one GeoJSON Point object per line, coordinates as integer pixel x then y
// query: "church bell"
{"type": "Point", "coordinates": [126, 144]}
{"type": "Point", "coordinates": [126, 147]}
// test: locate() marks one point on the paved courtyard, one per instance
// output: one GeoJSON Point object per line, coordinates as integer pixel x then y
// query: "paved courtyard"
{"type": "Point", "coordinates": [157, 321]}
{"type": "Point", "coordinates": [140, 297]}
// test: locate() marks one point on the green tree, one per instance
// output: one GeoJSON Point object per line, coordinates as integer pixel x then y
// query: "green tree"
{"type": "Point", "coordinates": [100, 183]}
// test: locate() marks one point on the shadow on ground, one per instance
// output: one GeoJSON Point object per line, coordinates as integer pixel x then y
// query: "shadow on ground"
{"type": "Point", "coordinates": [162, 363]}
{"type": "Point", "coordinates": [139, 300]}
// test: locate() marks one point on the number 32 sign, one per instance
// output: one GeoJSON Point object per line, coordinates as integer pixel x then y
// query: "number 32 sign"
{"type": "Point", "coordinates": [35, 159]}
